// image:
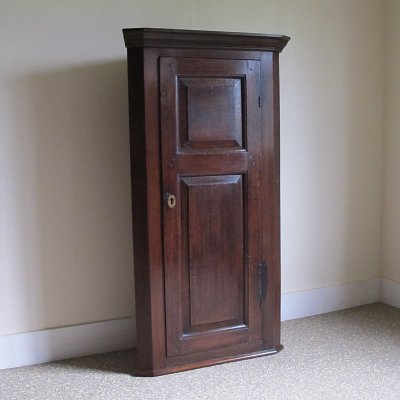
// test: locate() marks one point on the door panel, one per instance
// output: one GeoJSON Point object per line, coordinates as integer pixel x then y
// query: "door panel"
{"type": "Point", "coordinates": [210, 112]}
{"type": "Point", "coordinates": [213, 227]}
{"type": "Point", "coordinates": [210, 132]}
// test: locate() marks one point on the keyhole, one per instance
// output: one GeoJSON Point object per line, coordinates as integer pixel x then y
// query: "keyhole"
{"type": "Point", "coordinates": [171, 200]}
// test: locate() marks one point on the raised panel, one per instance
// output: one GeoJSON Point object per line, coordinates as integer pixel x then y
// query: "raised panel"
{"type": "Point", "coordinates": [206, 102]}
{"type": "Point", "coordinates": [210, 112]}
{"type": "Point", "coordinates": [214, 223]}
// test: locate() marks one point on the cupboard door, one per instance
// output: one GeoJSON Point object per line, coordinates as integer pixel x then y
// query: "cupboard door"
{"type": "Point", "coordinates": [211, 173]}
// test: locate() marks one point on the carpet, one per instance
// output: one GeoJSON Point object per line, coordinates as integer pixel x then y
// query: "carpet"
{"type": "Point", "coordinates": [349, 354]}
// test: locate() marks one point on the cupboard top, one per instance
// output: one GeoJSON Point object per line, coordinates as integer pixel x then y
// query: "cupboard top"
{"type": "Point", "coordinates": [155, 37]}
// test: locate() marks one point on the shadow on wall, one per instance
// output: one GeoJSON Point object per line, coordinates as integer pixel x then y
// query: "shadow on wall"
{"type": "Point", "coordinates": [69, 190]}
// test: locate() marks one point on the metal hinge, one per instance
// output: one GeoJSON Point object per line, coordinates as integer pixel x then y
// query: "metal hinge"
{"type": "Point", "coordinates": [262, 281]}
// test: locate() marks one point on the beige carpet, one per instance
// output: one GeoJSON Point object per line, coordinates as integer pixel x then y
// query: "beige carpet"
{"type": "Point", "coordinates": [351, 354]}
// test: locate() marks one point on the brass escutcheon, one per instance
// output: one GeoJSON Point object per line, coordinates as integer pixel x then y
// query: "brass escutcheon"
{"type": "Point", "coordinates": [171, 200]}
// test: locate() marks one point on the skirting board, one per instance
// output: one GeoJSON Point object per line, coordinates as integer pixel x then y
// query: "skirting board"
{"type": "Point", "coordinates": [332, 298]}
{"type": "Point", "coordinates": [101, 337]}
{"type": "Point", "coordinates": [390, 292]}
{"type": "Point", "coordinates": [67, 342]}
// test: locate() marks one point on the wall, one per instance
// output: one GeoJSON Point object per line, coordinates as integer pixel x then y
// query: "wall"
{"type": "Point", "coordinates": [331, 125]}
{"type": "Point", "coordinates": [331, 144]}
{"type": "Point", "coordinates": [65, 230]}
{"type": "Point", "coordinates": [391, 209]}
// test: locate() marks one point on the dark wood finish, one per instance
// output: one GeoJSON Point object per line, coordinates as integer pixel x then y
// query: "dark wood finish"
{"type": "Point", "coordinates": [177, 38]}
{"type": "Point", "coordinates": [211, 112]}
{"type": "Point", "coordinates": [209, 236]}
{"type": "Point", "coordinates": [204, 118]}
{"type": "Point", "coordinates": [213, 227]}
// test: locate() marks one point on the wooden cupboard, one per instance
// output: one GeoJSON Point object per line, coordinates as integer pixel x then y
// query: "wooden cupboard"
{"type": "Point", "coordinates": [204, 130]}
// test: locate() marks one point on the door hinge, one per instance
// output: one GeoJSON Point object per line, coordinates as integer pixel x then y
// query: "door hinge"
{"type": "Point", "coordinates": [259, 101]}
{"type": "Point", "coordinates": [262, 281]}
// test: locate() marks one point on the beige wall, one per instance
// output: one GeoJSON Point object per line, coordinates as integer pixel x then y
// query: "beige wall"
{"type": "Point", "coordinates": [65, 230]}
{"type": "Point", "coordinates": [391, 203]}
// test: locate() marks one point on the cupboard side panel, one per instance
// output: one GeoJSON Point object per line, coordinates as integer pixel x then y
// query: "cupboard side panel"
{"type": "Point", "coordinates": [271, 197]}
{"type": "Point", "coordinates": [139, 207]}
{"type": "Point", "coordinates": [276, 207]}
{"type": "Point", "coordinates": [154, 205]}
{"type": "Point", "coordinates": [145, 176]}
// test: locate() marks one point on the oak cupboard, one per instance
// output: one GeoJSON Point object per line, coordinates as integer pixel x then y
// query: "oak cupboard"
{"type": "Point", "coordinates": [204, 131]}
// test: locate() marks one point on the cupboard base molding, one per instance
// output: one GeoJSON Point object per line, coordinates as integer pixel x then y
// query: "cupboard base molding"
{"type": "Point", "coordinates": [208, 363]}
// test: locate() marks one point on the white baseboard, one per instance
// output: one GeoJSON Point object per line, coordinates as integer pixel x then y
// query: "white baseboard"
{"type": "Point", "coordinates": [67, 342]}
{"type": "Point", "coordinates": [327, 299]}
{"type": "Point", "coordinates": [390, 291]}
{"type": "Point", "coordinates": [101, 337]}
